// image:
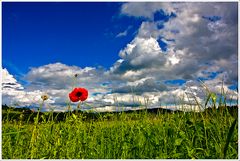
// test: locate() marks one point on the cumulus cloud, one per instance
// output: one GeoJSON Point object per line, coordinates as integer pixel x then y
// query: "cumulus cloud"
{"type": "Point", "coordinates": [198, 46]}
{"type": "Point", "coordinates": [9, 82]}
{"type": "Point", "coordinates": [13, 93]}
{"type": "Point", "coordinates": [140, 54]}
{"type": "Point", "coordinates": [58, 75]}
{"type": "Point", "coordinates": [141, 86]}
{"type": "Point", "coordinates": [144, 9]}
{"type": "Point", "coordinates": [59, 79]}
{"type": "Point", "coordinates": [204, 41]}
{"type": "Point", "coordinates": [197, 40]}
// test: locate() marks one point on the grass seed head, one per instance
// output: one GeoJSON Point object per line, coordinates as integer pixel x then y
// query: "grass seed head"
{"type": "Point", "coordinates": [44, 97]}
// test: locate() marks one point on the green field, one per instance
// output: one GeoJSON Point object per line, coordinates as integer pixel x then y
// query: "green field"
{"type": "Point", "coordinates": [137, 135]}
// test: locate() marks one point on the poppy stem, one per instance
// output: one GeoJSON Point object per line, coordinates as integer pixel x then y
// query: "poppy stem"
{"type": "Point", "coordinates": [78, 106]}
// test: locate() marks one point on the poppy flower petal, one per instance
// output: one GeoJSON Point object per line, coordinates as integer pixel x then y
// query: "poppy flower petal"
{"type": "Point", "coordinates": [84, 95]}
{"type": "Point", "coordinates": [78, 94]}
{"type": "Point", "coordinates": [73, 97]}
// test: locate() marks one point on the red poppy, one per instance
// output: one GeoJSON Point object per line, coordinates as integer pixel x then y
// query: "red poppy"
{"type": "Point", "coordinates": [78, 94]}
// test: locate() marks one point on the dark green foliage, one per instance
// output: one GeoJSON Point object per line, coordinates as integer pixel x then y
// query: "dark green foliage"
{"type": "Point", "coordinates": [229, 136]}
{"type": "Point", "coordinates": [211, 134]}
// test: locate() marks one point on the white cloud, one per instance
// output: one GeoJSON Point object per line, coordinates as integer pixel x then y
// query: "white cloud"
{"type": "Point", "coordinates": [59, 97]}
{"type": "Point", "coordinates": [144, 9]}
{"type": "Point", "coordinates": [122, 34]}
{"type": "Point", "coordinates": [9, 82]}
{"type": "Point", "coordinates": [141, 53]}
{"type": "Point", "coordinates": [55, 80]}
{"type": "Point", "coordinates": [196, 40]}
{"type": "Point", "coordinates": [58, 80]}
{"type": "Point", "coordinates": [14, 93]}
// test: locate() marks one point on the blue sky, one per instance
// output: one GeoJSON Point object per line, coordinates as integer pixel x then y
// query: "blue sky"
{"type": "Point", "coordinates": [155, 50]}
{"type": "Point", "coordinates": [81, 34]}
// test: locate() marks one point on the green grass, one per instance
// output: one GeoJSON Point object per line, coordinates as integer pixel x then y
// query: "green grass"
{"type": "Point", "coordinates": [205, 135]}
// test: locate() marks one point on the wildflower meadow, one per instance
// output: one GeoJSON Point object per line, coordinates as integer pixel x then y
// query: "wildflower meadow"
{"type": "Point", "coordinates": [210, 134]}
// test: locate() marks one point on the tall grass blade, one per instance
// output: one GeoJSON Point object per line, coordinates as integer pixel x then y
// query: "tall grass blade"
{"type": "Point", "coordinates": [208, 98]}
{"type": "Point", "coordinates": [230, 133]}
